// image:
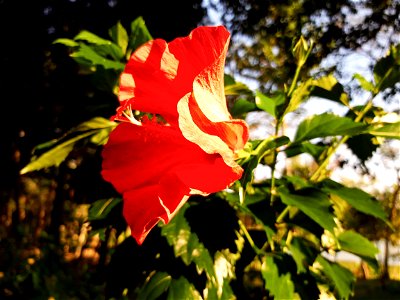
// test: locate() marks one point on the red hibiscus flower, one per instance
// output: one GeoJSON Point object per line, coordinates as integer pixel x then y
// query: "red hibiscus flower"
{"type": "Point", "coordinates": [188, 144]}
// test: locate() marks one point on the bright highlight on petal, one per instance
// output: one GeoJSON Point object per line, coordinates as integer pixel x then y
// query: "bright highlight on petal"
{"type": "Point", "coordinates": [156, 165]}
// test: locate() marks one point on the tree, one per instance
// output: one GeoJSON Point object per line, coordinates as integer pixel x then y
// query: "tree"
{"type": "Point", "coordinates": [266, 29]}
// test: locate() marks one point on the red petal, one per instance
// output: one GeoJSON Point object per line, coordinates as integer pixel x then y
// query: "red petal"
{"type": "Point", "coordinates": [155, 169]}
{"type": "Point", "coordinates": [158, 74]}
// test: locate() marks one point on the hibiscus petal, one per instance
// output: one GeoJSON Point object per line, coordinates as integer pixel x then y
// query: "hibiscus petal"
{"type": "Point", "coordinates": [158, 74]}
{"type": "Point", "coordinates": [156, 169]}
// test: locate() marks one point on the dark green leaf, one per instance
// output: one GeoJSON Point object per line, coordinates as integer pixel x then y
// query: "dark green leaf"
{"type": "Point", "coordinates": [329, 88]}
{"type": "Point", "coordinates": [313, 203]}
{"type": "Point", "coordinates": [100, 209]}
{"type": "Point", "coordinates": [362, 146]}
{"type": "Point", "coordinates": [327, 124]}
{"type": "Point", "coordinates": [242, 106]}
{"type": "Point", "coordinates": [279, 285]}
{"type": "Point", "coordinates": [186, 244]}
{"type": "Point", "coordinates": [314, 150]}
{"type": "Point", "coordinates": [357, 198]}
{"type": "Point", "coordinates": [341, 278]}
{"type": "Point", "coordinates": [156, 284]}
{"type": "Point", "coordinates": [387, 69]}
{"type": "Point", "coordinates": [303, 253]}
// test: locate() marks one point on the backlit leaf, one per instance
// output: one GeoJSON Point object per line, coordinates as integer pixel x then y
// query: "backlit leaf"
{"type": "Point", "coordinates": [355, 243]}
{"type": "Point", "coordinates": [139, 34]}
{"type": "Point", "coordinates": [181, 288]}
{"type": "Point", "coordinates": [156, 284]}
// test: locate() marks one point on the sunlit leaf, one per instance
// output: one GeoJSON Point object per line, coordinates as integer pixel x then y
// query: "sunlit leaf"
{"type": "Point", "coordinates": [342, 279]}
{"type": "Point", "coordinates": [313, 203]}
{"type": "Point", "coordinates": [242, 106]}
{"type": "Point", "coordinates": [270, 104]}
{"type": "Point", "coordinates": [365, 84]}
{"type": "Point", "coordinates": [327, 124]}
{"type": "Point", "coordinates": [303, 253]}
{"type": "Point", "coordinates": [181, 288]}
{"type": "Point", "coordinates": [139, 34]}
{"type": "Point", "coordinates": [119, 36]}
{"type": "Point", "coordinates": [156, 284]}
{"type": "Point", "coordinates": [61, 148]}
{"type": "Point", "coordinates": [99, 45]}
{"type": "Point", "coordinates": [279, 285]}
{"type": "Point", "coordinates": [66, 42]}
{"type": "Point", "coordinates": [386, 130]}
{"type": "Point", "coordinates": [355, 243]}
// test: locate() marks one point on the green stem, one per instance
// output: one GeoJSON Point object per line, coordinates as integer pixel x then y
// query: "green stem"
{"type": "Point", "coordinates": [249, 238]}
{"type": "Point", "coordinates": [273, 167]}
{"type": "Point", "coordinates": [283, 214]}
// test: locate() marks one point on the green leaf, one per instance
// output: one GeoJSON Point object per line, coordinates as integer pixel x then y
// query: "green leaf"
{"type": "Point", "coordinates": [186, 244]}
{"type": "Point", "coordinates": [303, 253]}
{"type": "Point", "coordinates": [100, 209]}
{"type": "Point", "coordinates": [341, 278]}
{"type": "Point", "coordinates": [242, 106]}
{"type": "Point", "coordinates": [139, 34]}
{"type": "Point", "coordinates": [101, 46]}
{"type": "Point", "coordinates": [355, 243]}
{"type": "Point", "coordinates": [279, 285]}
{"type": "Point", "coordinates": [305, 147]}
{"type": "Point", "coordinates": [119, 35]}
{"type": "Point", "coordinates": [55, 156]}
{"type": "Point", "coordinates": [86, 55]}
{"type": "Point", "coordinates": [61, 148]}
{"type": "Point", "coordinates": [156, 284]}
{"type": "Point", "coordinates": [329, 88]}
{"type": "Point", "coordinates": [311, 202]}
{"type": "Point", "coordinates": [357, 198]}
{"type": "Point", "coordinates": [327, 124]}
{"type": "Point", "coordinates": [300, 94]}
{"type": "Point", "coordinates": [387, 69]}
{"type": "Point", "coordinates": [386, 130]}
{"type": "Point", "coordinates": [66, 42]}
{"type": "Point", "coordinates": [181, 288]}
{"type": "Point", "coordinates": [365, 84]}
{"type": "Point", "coordinates": [270, 104]}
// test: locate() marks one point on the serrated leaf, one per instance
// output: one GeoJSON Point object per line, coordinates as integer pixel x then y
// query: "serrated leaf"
{"type": "Point", "coordinates": [100, 209]}
{"type": "Point", "coordinates": [119, 35]}
{"type": "Point", "coordinates": [300, 94]}
{"type": "Point", "coordinates": [357, 198]}
{"type": "Point", "coordinates": [139, 34]}
{"type": "Point", "coordinates": [156, 284]}
{"type": "Point", "coordinates": [279, 285]}
{"type": "Point", "coordinates": [181, 288]}
{"type": "Point", "coordinates": [311, 202]}
{"type": "Point", "coordinates": [341, 278]}
{"type": "Point", "coordinates": [355, 243]}
{"type": "Point", "coordinates": [327, 124]}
